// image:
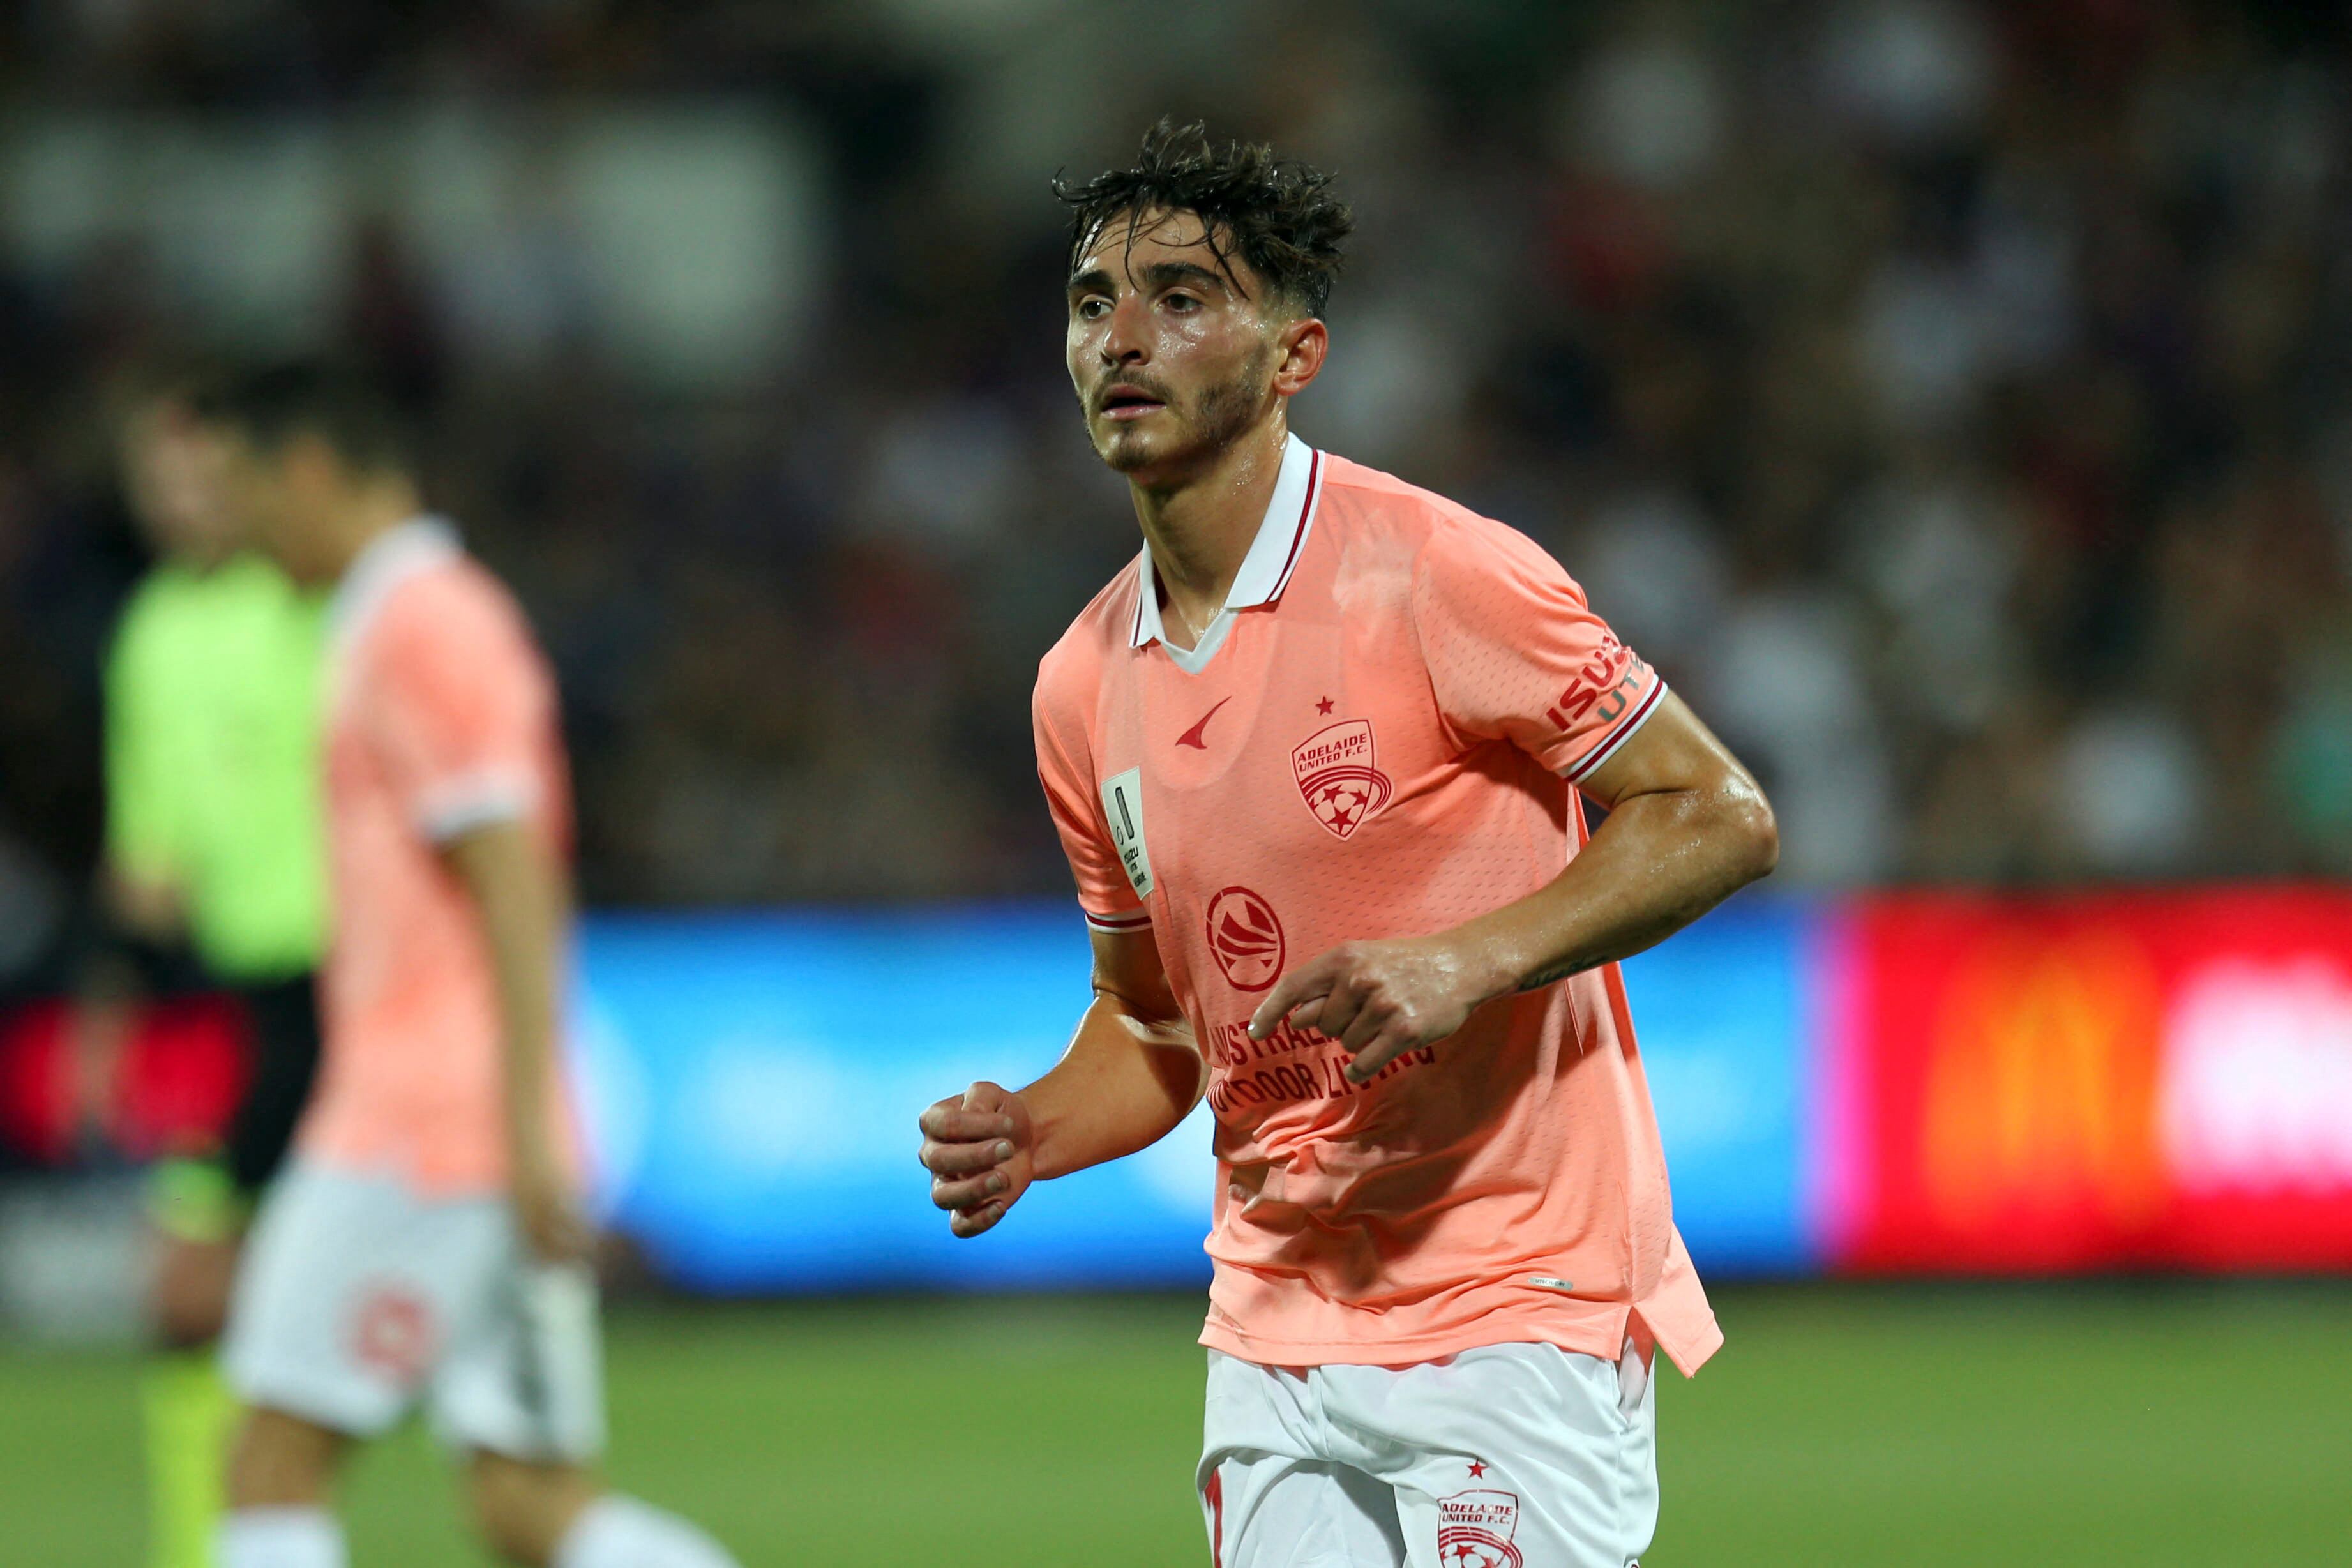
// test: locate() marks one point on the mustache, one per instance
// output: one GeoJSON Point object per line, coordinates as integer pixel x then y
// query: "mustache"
{"type": "Point", "coordinates": [1143, 384]}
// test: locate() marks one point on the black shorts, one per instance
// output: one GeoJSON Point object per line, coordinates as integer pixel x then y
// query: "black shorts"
{"type": "Point", "coordinates": [284, 1018]}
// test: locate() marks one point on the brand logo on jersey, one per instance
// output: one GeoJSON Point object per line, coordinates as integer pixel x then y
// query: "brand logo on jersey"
{"type": "Point", "coordinates": [1246, 938]}
{"type": "Point", "coordinates": [1337, 778]}
{"type": "Point", "coordinates": [1475, 1530]}
{"type": "Point", "coordinates": [1122, 798]}
{"type": "Point", "coordinates": [1196, 737]}
{"type": "Point", "coordinates": [1602, 688]}
{"type": "Point", "coordinates": [392, 1333]}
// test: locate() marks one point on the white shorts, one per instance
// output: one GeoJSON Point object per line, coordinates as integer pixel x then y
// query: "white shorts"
{"type": "Point", "coordinates": [1521, 1456]}
{"type": "Point", "coordinates": [357, 1300]}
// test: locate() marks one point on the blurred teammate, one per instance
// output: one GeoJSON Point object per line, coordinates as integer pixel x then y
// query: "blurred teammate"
{"type": "Point", "coordinates": [1314, 759]}
{"type": "Point", "coordinates": [423, 1246]}
{"type": "Point", "coordinates": [213, 840]}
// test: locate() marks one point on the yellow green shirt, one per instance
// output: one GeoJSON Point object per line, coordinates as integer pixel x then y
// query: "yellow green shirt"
{"type": "Point", "coordinates": [212, 718]}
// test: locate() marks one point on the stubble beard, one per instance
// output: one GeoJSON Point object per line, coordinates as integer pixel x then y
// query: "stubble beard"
{"type": "Point", "coordinates": [1221, 413]}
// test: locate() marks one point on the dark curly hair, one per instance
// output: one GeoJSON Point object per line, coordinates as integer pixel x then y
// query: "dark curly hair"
{"type": "Point", "coordinates": [1280, 216]}
{"type": "Point", "coordinates": [271, 404]}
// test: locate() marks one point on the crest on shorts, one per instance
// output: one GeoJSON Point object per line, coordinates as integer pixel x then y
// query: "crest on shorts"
{"type": "Point", "coordinates": [1475, 1530]}
{"type": "Point", "coordinates": [392, 1333]}
{"type": "Point", "coordinates": [1337, 778]}
{"type": "Point", "coordinates": [1246, 937]}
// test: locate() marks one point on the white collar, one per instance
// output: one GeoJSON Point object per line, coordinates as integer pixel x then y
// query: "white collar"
{"type": "Point", "coordinates": [1265, 570]}
{"type": "Point", "coordinates": [387, 561]}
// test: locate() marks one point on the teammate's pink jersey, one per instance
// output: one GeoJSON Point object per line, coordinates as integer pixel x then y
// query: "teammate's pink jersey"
{"type": "Point", "coordinates": [442, 719]}
{"type": "Point", "coordinates": [1378, 738]}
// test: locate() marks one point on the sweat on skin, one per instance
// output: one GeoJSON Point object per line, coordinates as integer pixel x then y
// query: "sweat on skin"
{"type": "Point", "coordinates": [1465, 934]}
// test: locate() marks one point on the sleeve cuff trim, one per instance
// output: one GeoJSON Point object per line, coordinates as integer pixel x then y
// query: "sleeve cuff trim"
{"type": "Point", "coordinates": [480, 800]}
{"type": "Point", "coordinates": [1615, 738]}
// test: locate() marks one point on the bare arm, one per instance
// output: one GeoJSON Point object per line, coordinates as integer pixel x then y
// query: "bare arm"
{"type": "Point", "coordinates": [1132, 1071]}
{"type": "Point", "coordinates": [525, 901]}
{"type": "Point", "coordinates": [1687, 826]}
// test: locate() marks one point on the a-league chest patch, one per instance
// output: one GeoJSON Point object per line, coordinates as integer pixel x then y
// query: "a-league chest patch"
{"type": "Point", "coordinates": [1122, 798]}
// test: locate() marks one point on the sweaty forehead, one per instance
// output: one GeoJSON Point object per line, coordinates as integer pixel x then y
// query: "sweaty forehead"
{"type": "Point", "coordinates": [1120, 245]}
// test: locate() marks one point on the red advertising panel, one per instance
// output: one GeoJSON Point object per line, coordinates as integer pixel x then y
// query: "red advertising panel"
{"type": "Point", "coordinates": [2092, 1082]}
{"type": "Point", "coordinates": [173, 1089]}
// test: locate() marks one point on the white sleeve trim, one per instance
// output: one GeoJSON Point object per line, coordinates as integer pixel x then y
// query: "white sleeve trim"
{"type": "Point", "coordinates": [1135, 918]}
{"type": "Point", "coordinates": [482, 799]}
{"type": "Point", "coordinates": [1624, 731]}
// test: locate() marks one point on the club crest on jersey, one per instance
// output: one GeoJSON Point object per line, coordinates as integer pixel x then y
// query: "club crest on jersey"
{"type": "Point", "coordinates": [1337, 778]}
{"type": "Point", "coordinates": [1475, 1530]}
{"type": "Point", "coordinates": [1246, 938]}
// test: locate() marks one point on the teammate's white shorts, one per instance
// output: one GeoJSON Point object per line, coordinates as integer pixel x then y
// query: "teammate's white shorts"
{"type": "Point", "coordinates": [1521, 1456]}
{"type": "Point", "coordinates": [357, 1300]}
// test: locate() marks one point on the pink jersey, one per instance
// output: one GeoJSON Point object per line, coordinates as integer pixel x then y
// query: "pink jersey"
{"type": "Point", "coordinates": [442, 719]}
{"type": "Point", "coordinates": [1378, 738]}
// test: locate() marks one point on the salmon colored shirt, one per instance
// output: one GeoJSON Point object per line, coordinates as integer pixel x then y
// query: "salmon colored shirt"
{"type": "Point", "coordinates": [1378, 737]}
{"type": "Point", "coordinates": [442, 719]}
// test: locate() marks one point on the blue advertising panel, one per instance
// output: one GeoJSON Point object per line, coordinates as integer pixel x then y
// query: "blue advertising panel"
{"type": "Point", "coordinates": [751, 1084]}
{"type": "Point", "coordinates": [1725, 1012]}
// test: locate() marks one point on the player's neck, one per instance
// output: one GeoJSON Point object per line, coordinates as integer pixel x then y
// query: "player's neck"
{"type": "Point", "coordinates": [372, 514]}
{"type": "Point", "coordinates": [201, 560]}
{"type": "Point", "coordinates": [1200, 527]}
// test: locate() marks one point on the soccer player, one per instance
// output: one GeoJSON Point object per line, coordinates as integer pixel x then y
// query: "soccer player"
{"type": "Point", "coordinates": [212, 843]}
{"type": "Point", "coordinates": [424, 1245]}
{"type": "Point", "coordinates": [1314, 757]}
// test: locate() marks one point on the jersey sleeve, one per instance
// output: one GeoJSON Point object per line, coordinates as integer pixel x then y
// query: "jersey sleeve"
{"type": "Point", "coordinates": [1111, 900]}
{"type": "Point", "coordinates": [460, 710]}
{"type": "Point", "coordinates": [1515, 653]}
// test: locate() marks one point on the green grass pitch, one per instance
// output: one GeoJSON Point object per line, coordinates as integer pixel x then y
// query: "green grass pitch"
{"type": "Point", "coordinates": [2174, 1424]}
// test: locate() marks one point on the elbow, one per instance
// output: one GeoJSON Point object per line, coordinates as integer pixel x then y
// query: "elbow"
{"type": "Point", "coordinates": [1751, 832]}
{"type": "Point", "coordinates": [1744, 831]}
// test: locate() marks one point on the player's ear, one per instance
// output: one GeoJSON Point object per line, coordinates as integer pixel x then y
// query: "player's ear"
{"type": "Point", "coordinates": [1300, 345]}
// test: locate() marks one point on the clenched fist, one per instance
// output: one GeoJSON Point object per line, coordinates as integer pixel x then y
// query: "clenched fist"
{"type": "Point", "coordinates": [981, 1150]}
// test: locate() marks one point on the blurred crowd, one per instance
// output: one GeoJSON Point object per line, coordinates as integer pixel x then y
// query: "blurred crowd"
{"type": "Point", "coordinates": [1954, 400]}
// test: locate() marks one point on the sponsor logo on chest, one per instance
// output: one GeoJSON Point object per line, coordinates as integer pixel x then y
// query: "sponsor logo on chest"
{"type": "Point", "coordinates": [1246, 937]}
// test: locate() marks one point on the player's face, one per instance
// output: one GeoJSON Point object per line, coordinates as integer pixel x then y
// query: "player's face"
{"type": "Point", "coordinates": [283, 500]}
{"type": "Point", "coordinates": [173, 476]}
{"type": "Point", "coordinates": [1171, 361]}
